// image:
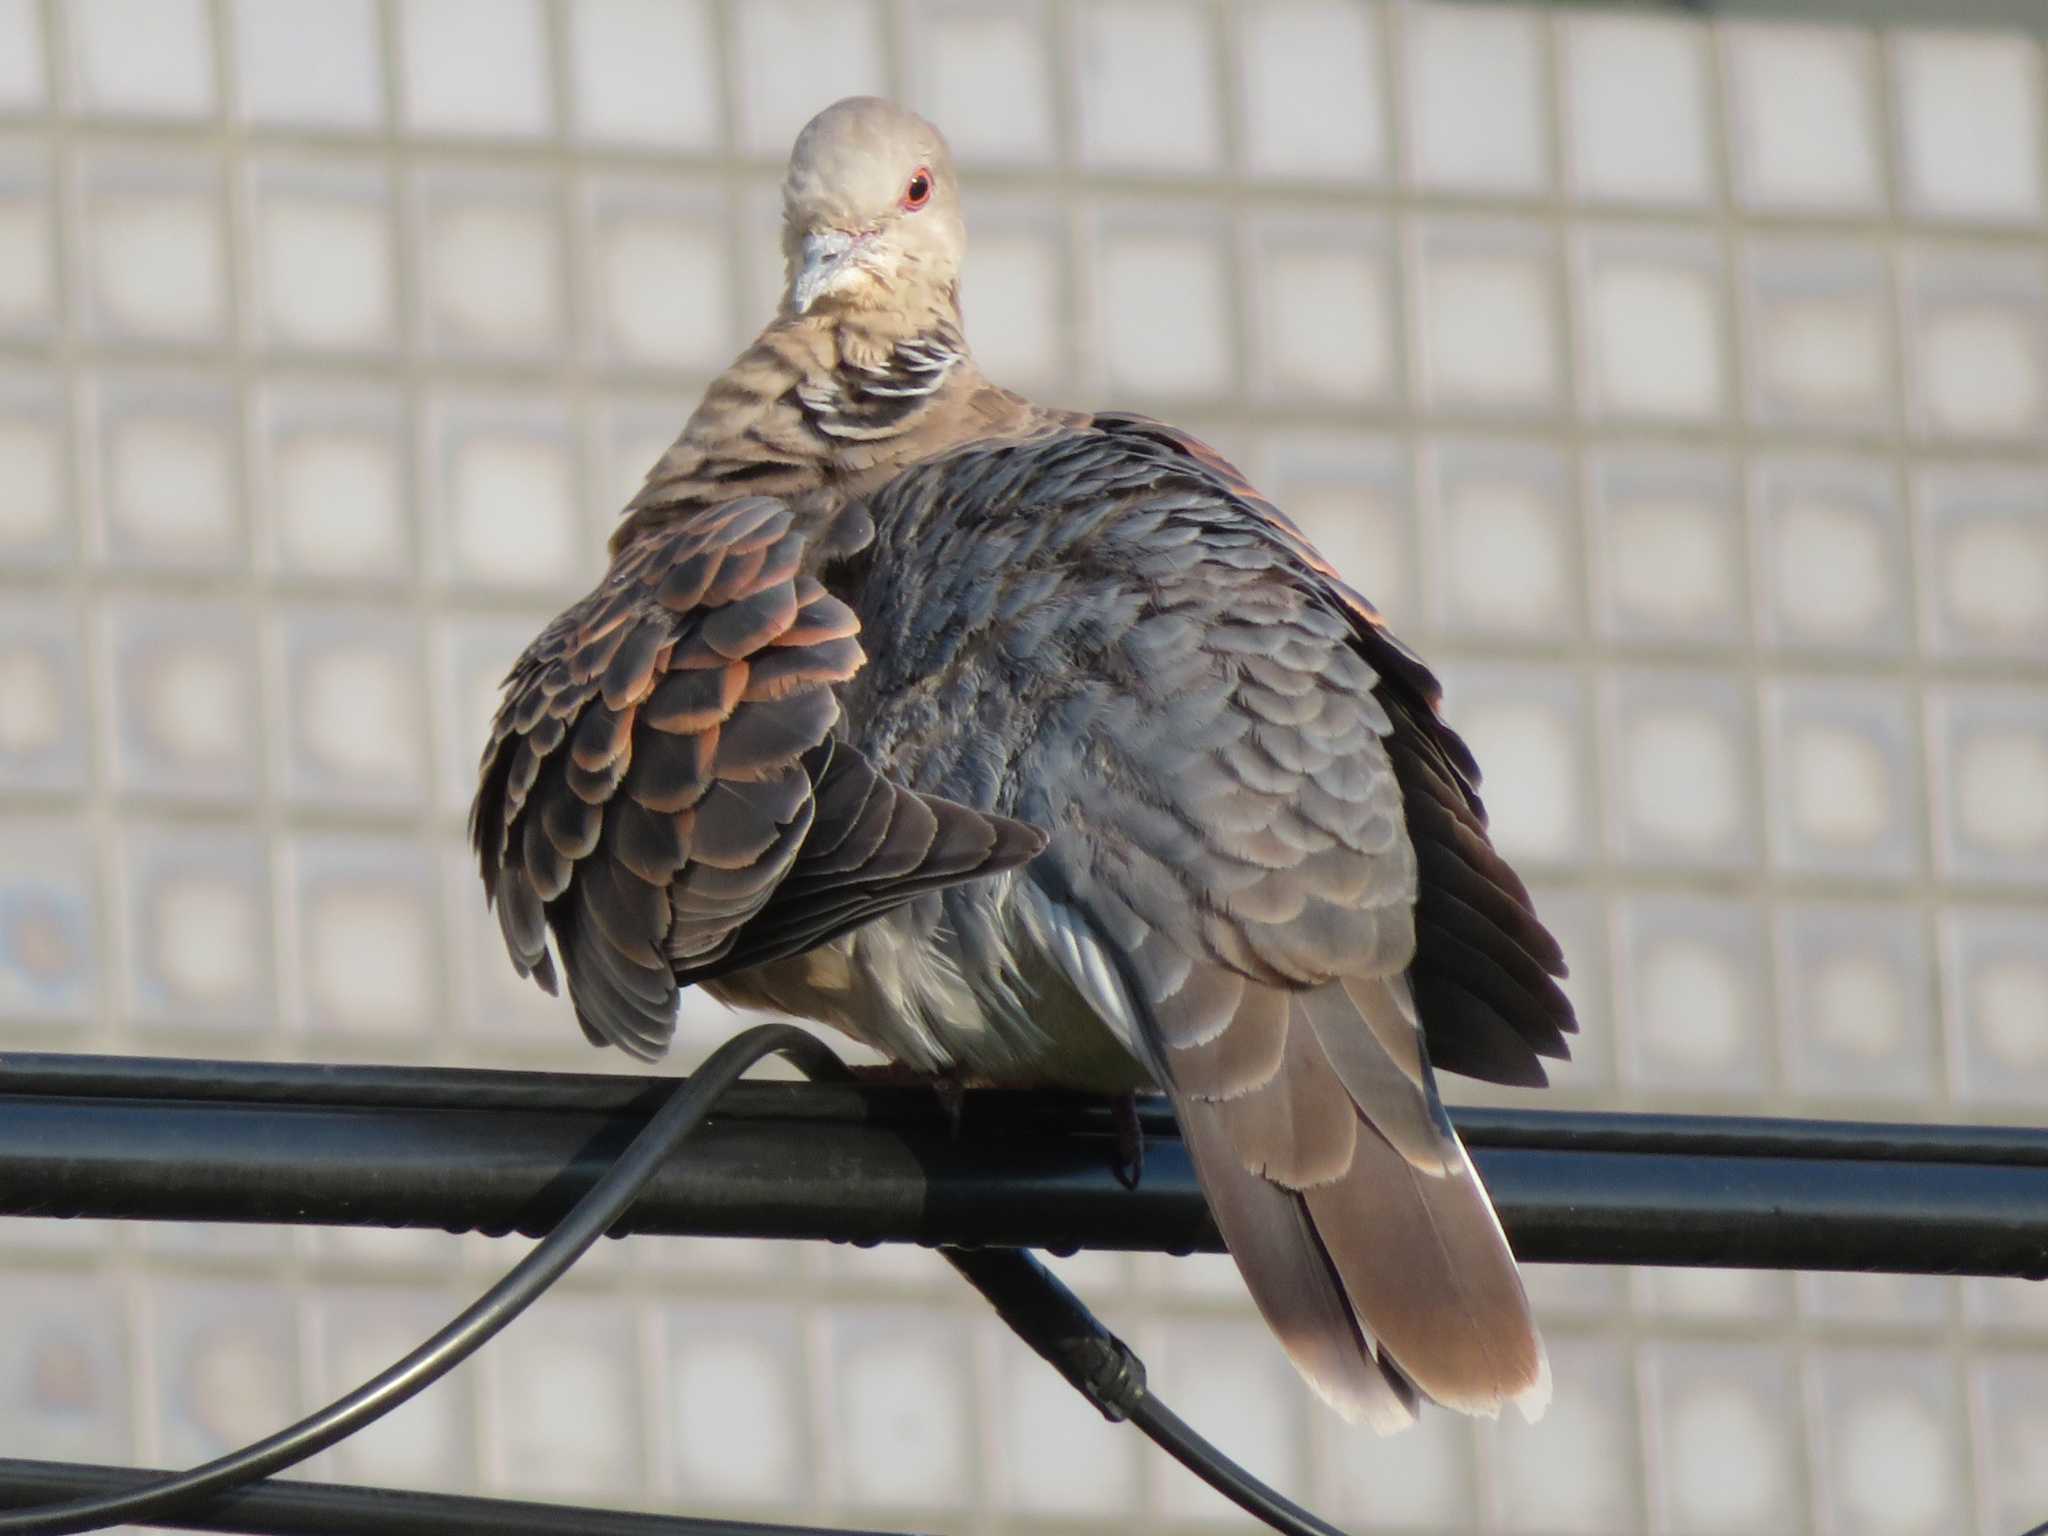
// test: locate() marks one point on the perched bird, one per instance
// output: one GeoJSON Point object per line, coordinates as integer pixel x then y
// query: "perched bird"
{"type": "Point", "coordinates": [1033, 747]}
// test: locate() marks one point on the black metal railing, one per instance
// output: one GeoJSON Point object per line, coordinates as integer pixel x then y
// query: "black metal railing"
{"type": "Point", "coordinates": [574, 1156]}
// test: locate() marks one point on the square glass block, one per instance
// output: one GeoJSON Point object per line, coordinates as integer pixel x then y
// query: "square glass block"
{"type": "Point", "coordinates": [196, 927]}
{"type": "Point", "coordinates": [2006, 1306]}
{"type": "Point", "coordinates": [505, 486]}
{"type": "Point", "coordinates": [50, 960]}
{"type": "Point", "coordinates": [644, 74]}
{"type": "Point", "coordinates": [985, 74]}
{"type": "Point", "coordinates": [1878, 1300]}
{"type": "Point", "coordinates": [2012, 1406]}
{"type": "Point", "coordinates": [1639, 125]}
{"type": "Point", "coordinates": [1477, 107]}
{"type": "Point", "coordinates": [45, 710]}
{"type": "Point", "coordinates": [496, 1009]}
{"type": "Point", "coordinates": [1163, 304]}
{"type": "Point", "coordinates": [1054, 1460]}
{"type": "Point", "coordinates": [1529, 726]}
{"type": "Point", "coordinates": [334, 476]}
{"type": "Point", "coordinates": [21, 56]}
{"type": "Point", "coordinates": [662, 291]}
{"type": "Point", "coordinates": [737, 1393]}
{"type": "Point", "coordinates": [308, 64]}
{"type": "Point", "coordinates": [226, 1355]}
{"type": "Point", "coordinates": [895, 1268]}
{"type": "Point", "coordinates": [352, 705]}
{"type": "Point", "coordinates": [1844, 777]}
{"type": "Point", "coordinates": [1485, 310]}
{"type": "Point", "coordinates": [187, 724]}
{"type": "Point", "coordinates": [1327, 316]}
{"type": "Point", "coordinates": [632, 435]}
{"type": "Point", "coordinates": [35, 515]}
{"type": "Point", "coordinates": [904, 1415]}
{"type": "Point", "coordinates": [1652, 331]}
{"type": "Point", "coordinates": [1969, 114]}
{"type": "Point", "coordinates": [321, 252]}
{"type": "Point", "coordinates": [1857, 1000]}
{"type": "Point", "coordinates": [1977, 343]}
{"type": "Point", "coordinates": [1146, 86]}
{"type": "Point", "coordinates": [1713, 1295]}
{"type": "Point", "coordinates": [1229, 1375]}
{"type": "Point", "coordinates": [28, 265]}
{"type": "Point", "coordinates": [1352, 497]}
{"type": "Point", "coordinates": [1803, 117]}
{"type": "Point", "coordinates": [1426, 1478]}
{"type": "Point", "coordinates": [1668, 550]}
{"type": "Point", "coordinates": [1502, 541]}
{"type": "Point", "coordinates": [1990, 765]}
{"type": "Point", "coordinates": [64, 1366]}
{"type": "Point", "coordinates": [429, 1442]}
{"type": "Point", "coordinates": [1311, 90]}
{"type": "Point", "coordinates": [140, 58]}
{"type": "Point", "coordinates": [364, 932]}
{"type": "Point", "coordinates": [1831, 556]}
{"type": "Point", "coordinates": [1724, 1417]}
{"type": "Point", "coordinates": [1693, 993]}
{"type": "Point", "coordinates": [1580, 1469]}
{"type": "Point", "coordinates": [1889, 1436]}
{"type": "Point", "coordinates": [757, 221]}
{"type": "Point", "coordinates": [490, 264]}
{"type": "Point", "coordinates": [1819, 335]}
{"type": "Point", "coordinates": [1984, 561]}
{"type": "Point", "coordinates": [1592, 1291]}
{"type": "Point", "coordinates": [1681, 745]}
{"type": "Point", "coordinates": [154, 265]}
{"type": "Point", "coordinates": [475, 67]}
{"type": "Point", "coordinates": [242, 1245]}
{"type": "Point", "coordinates": [1995, 993]}
{"type": "Point", "coordinates": [169, 478]}
{"type": "Point", "coordinates": [1019, 296]}
{"type": "Point", "coordinates": [1212, 1278]}
{"type": "Point", "coordinates": [565, 1400]}
{"type": "Point", "coordinates": [796, 57]}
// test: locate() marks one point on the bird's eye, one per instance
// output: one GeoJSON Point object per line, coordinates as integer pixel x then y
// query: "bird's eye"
{"type": "Point", "coordinates": [919, 192]}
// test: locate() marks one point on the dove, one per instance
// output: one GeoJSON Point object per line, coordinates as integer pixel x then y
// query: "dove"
{"type": "Point", "coordinates": [1035, 748]}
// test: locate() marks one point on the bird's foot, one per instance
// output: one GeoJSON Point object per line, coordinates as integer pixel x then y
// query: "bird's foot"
{"type": "Point", "coordinates": [1129, 1162]}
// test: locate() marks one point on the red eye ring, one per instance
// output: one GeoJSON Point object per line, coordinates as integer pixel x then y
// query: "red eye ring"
{"type": "Point", "coordinates": [919, 191]}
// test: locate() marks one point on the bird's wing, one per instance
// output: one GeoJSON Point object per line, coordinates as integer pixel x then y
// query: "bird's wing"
{"type": "Point", "coordinates": [663, 788]}
{"type": "Point", "coordinates": [1485, 969]}
{"type": "Point", "coordinates": [1266, 848]}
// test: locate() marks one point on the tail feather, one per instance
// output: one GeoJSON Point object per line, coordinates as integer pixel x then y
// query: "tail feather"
{"type": "Point", "coordinates": [1389, 1269]}
{"type": "Point", "coordinates": [1268, 1231]}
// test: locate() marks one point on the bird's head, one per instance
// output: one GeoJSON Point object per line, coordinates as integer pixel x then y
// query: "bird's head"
{"type": "Point", "coordinates": [870, 212]}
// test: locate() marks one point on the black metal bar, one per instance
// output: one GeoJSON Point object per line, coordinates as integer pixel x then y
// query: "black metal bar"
{"type": "Point", "coordinates": [493, 1151]}
{"type": "Point", "coordinates": [337, 1509]}
{"type": "Point", "coordinates": [2024, 15]}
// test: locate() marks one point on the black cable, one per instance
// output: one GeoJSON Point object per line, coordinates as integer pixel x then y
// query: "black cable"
{"type": "Point", "coordinates": [522, 1285]}
{"type": "Point", "coordinates": [1096, 1363]}
{"type": "Point", "coordinates": [1044, 1313]}
{"type": "Point", "coordinates": [291, 1507]}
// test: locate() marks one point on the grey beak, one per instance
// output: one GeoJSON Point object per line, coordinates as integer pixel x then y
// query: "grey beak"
{"type": "Point", "coordinates": [823, 257]}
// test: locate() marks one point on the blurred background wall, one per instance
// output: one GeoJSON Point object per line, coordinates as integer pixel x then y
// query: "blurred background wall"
{"type": "Point", "coordinates": [1681, 389]}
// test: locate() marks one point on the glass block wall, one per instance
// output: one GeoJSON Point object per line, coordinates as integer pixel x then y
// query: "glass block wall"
{"type": "Point", "coordinates": [1681, 389]}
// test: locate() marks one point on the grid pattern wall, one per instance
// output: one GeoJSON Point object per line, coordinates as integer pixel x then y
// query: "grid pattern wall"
{"type": "Point", "coordinates": [1681, 389]}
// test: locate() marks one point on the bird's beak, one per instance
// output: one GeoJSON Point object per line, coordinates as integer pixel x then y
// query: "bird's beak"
{"type": "Point", "coordinates": [823, 258]}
